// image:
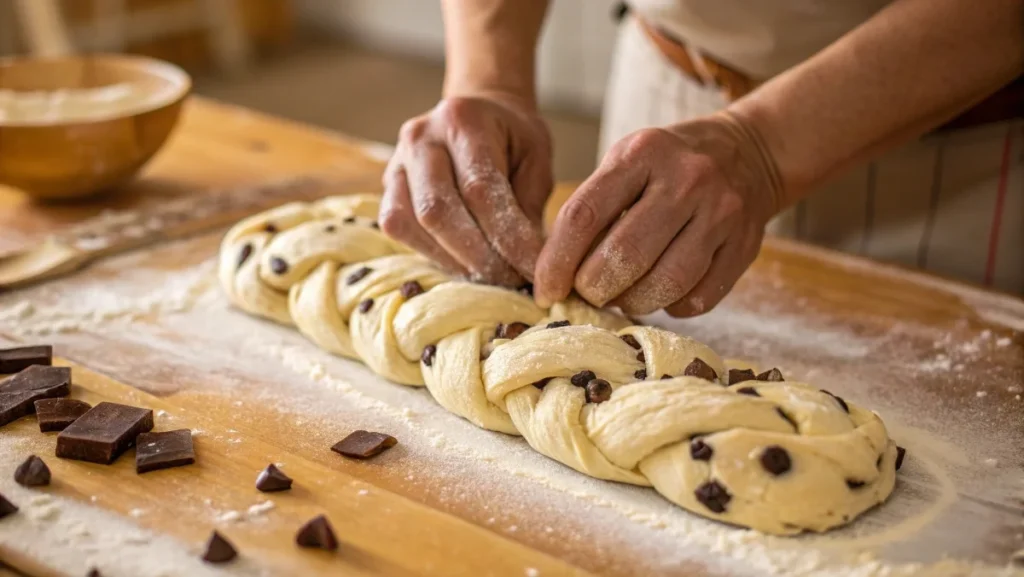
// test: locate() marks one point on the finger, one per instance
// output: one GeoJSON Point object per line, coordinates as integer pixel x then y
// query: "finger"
{"type": "Point", "coordinates": [729, 263]}
{"type": "Point", "coordinates": [678, 270]}
{"type": "Point", "coordinates": [440, 211]}
{"type": "Point", "coordinates": [480, 171]}
{"type": "Point", "coordinates": [533, 181]}
{"type": "Point", "coordinates": [634, 243]}
{"type": "Point", "coordinates": [398, 220]}
{"type": "Point", "coordinates": [588, 212]}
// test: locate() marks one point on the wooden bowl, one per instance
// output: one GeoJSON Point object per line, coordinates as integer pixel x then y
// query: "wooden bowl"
{"type": "Point", "coordinates": [54, 158]}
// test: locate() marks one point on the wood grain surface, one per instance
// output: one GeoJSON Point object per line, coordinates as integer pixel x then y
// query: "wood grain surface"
{"type": "Point", "coordinates": [939, 360]}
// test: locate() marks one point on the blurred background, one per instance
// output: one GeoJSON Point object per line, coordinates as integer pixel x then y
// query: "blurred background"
{"type": "Point", "coordinates": [356, 66]}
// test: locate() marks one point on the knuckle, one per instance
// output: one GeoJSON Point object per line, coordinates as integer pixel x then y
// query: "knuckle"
{"type": "Point", "coordinates": [431, 211]}
{"type": "Point", "coordinates": [579, 214]}
{"type": "Point", "coordinates": [393, 222]}
{"type": "Point", "coordinates": [641, 143]}
{"type": "Point", "coordinates": [414, 130]}
{"type": "Point", "coordinates": [675, 275]}
{"type": "Point", "coordinates": [479, 184]}
{"type": "Point", "coordinates": [455, 111]}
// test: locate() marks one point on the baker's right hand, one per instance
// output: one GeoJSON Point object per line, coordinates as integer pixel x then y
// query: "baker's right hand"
{"type": "Point", "coordinates": [467, 186]}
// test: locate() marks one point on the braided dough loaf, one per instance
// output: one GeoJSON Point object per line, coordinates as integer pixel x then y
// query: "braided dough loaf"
{"type": "Point", "coordinates": [632, 404]}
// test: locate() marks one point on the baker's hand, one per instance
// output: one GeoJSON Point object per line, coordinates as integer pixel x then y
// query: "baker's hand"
{"type": "Point", "coordinates": [467, 186]}
{"type": "Point", "coordinates": [670, 219]}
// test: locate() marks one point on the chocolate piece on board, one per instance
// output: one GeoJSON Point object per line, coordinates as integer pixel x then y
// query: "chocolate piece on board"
{"type": "Point", "coordinates": [103, 433]}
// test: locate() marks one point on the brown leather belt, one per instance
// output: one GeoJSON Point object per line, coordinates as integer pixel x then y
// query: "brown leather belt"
{"type": "Point", "coordinates": [1005, 104]}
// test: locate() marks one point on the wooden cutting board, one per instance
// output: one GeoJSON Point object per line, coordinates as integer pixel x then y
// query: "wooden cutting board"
{"type": "Point", "coordinates": [940, 361]}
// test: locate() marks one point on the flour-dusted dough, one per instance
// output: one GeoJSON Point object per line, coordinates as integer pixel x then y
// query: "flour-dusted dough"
{"type": "Point", "coordinates": [780, 457]}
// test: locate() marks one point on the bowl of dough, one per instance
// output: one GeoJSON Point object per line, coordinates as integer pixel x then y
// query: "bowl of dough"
{"type": "Point", "coordinates": [76, 126]}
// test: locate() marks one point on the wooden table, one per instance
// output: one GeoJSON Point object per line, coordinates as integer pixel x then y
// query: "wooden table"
{"type": "Point", "coordinates": [942, 362]}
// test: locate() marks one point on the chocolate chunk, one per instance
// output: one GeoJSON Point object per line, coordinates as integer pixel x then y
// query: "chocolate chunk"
{"type": "Point", "coordinates": [57, 414]}
{"type": "Point", "coordinates": [748, 391]}
{"type": "Point", "coordinates": [349, 219]}
{"type": "Point", "coordinates": [6, 507]}
{"type": "Point", "coordinates": [244, 254]}
{"type": "Point", "coordinates": [775, 460]}
{"type": "Point", "coordinates": [700, 451]}
{"type": "Point", "coordinates": [838, 399]}
{"type": "Point", "coordinates": [364, 444]}
{"type": "Point", "coordinates": [273, 479]}
{"type": "Point", "coordinates": [32, 473]}
{"type": "Point", "coordinates": [631, 341]}
{"type": "Point", "coordinates": [19, 393]}
{"type": "Point", "coordinates": [640, 357]}
{"type": "Point", "coordinates": [358, 275]}
{"type": "Point", "coordinates": [581, 378]}
{"type": "Point", "coordinates": [330, 228]}
{"type": "Point", "coordinates": [510, 330]}
{"type": "Point", "coordinates": [598, 391]}
{"type": "Point", "coordinates": [94, 572]}
{"type": "Point", "coordinates": [526, 289]}
{"type": "Point", "coordinates": [558, 324]}
{"type": "Point", "coordinates": [427, 357]}
{"type": "Point", "coordinates": [154, 451]}
{"type": "Point", "coordinates": [269, 227]}
{"type": "Point", "coordinates": [411, 288]}
{"type": "Point", "coordinates": [640, 375]}
{"type": "Point", "coordinates": [666, 376]}
{"type": "Point", "coordinates": [698, 368]}
{"type": "Point", "coordinates": [278, 265]}
{"type": "Point", "coordinates": [375, 225]}
{"type": "Point", "coordinates": [854, 484]}
{"type": "Point", "coordinates": [713, 495]}
{"type": "Point", "coordinates": [103, 433]}
{"type": "Point", "coordinates": [365, 305]}
{"type": "Point", "coordinates": [787, 417]}
{"type": "Point", "coordinates": [542, 383]}
{"type": "Point", "coordinates": [900, 453]}
{"type": "Point", "coordinates": [218, 549]}
{"type": "Point", "coordinates": [318, 534]}
{"type": "Point", "coordinates": [739, 376]}
{"type": "Point", "coordinates": [774, 376]}
{"type": "Point", "coordinates": [20, 358]}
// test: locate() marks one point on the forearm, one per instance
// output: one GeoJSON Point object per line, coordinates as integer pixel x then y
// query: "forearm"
{"type": "Point", "coordinates": [490, 46]}
{"type": "Point", "coordinates": [908, 69]}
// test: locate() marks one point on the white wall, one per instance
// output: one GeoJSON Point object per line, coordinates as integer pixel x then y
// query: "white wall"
{"type": "Point", "coordinates": [573, 57]}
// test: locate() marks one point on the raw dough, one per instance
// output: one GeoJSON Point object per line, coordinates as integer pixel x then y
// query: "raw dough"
{"type": "Point", "coordinates": [780, 457]}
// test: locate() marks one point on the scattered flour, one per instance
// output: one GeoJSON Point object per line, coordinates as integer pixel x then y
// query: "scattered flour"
{"type": "Point", "coordinates": [260, 509]}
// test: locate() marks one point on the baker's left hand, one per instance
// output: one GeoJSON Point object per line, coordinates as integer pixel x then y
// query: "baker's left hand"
{"type": "Point", "coordinates": [670, 219]}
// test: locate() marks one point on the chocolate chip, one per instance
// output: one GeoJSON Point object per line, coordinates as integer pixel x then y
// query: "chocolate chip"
{"type": "Point", "coordinates": [20, 358]}
{"type": "Point", "coordinates": [542, 383]}
{"type": "Point", "coordinates": [739, 376]}
{"type": "Point", "coordinates": [775, 460]}
{"type": "Point", "coordinates": [273, 479]}
{"type": "Point", "coordinates": [666, 376]}
{"type": "Point", "coordinates": [269, 227]}
{"type": "Point", "coordinates": [411, 288]}
{"type": "Point", "coordinates": [698, 368]}
{"type": "Point", "coordinates": [510, 331]}
{"type": "Point", "coordinates": [558, 324]}
{"type": "Point", "coordinates": [878, 462]}
{"type": "Point", "coordinates": [640, 357]}
{"type": "Point", "coordinates": [365, 305]}
{"type": "Point", "coordinates": [103, 433]}
{"type": "Point", "coordinates": [900, 453]}
{"type": "Point", "coordinates": [526, 289]}
{"type": "Point", "coordinates": [94, 572]}
{"type": "Point", "coordinates": [374, 225]}
{"type": "Point", "coordinates": [748, 391]}
{"type": "Point", "coordinates": [6, 507]}
{"type": "Point", "coordinates": [598, 391]}
{"type": "Point", "coordinates": [278, 266]}
{"type": "Point", "coordinates": [330, 228]}
{"type": "Point", "coordinates": [787, 417]}
{"type": "Point", "coordinates": [854, 484]}
{"type": "Point", "coordinates": [349, 219]}
{"type": "Point", "coordinates": [631, 341]}
{"type": "Point", "coordinates": [364, 444]}
{"type": "Point", "coordinates": [774, 376]}
{"type": "Point", "coordinates": [427, 356]}
{"type": "Point", "coordinates": [317, 534]}
{"type": "Point", "coordinates": [357, 275]}
{"type": "Point", "coordinates": [218, 550]}
{"type": "Point", "coordinates": [244, 254]}
{"type": "Point", "coordinates": [57, 414]}
{"type": "Point", "coordinates": [581, 378]}
{"type": "Point", "coordinates": [32, 473]}
{"type": "Point", "coordinates": [713, 495]}
{"type": "Point", "coordinates": [640, 375]}
{"type": "Point", "coordinates": [700, 451]}
{"type": "Point", "coordinates": [154, 451]}
{"type": "Point", "coordinates": [839, 400]}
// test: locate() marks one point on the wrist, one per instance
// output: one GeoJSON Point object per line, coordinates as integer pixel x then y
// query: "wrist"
{"type": "Point", "coordinates": [520, 93]}
{"type": "Point", "coordinates": [759, 124]}
{"type": "Point", "coordinates": [759, 157]}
